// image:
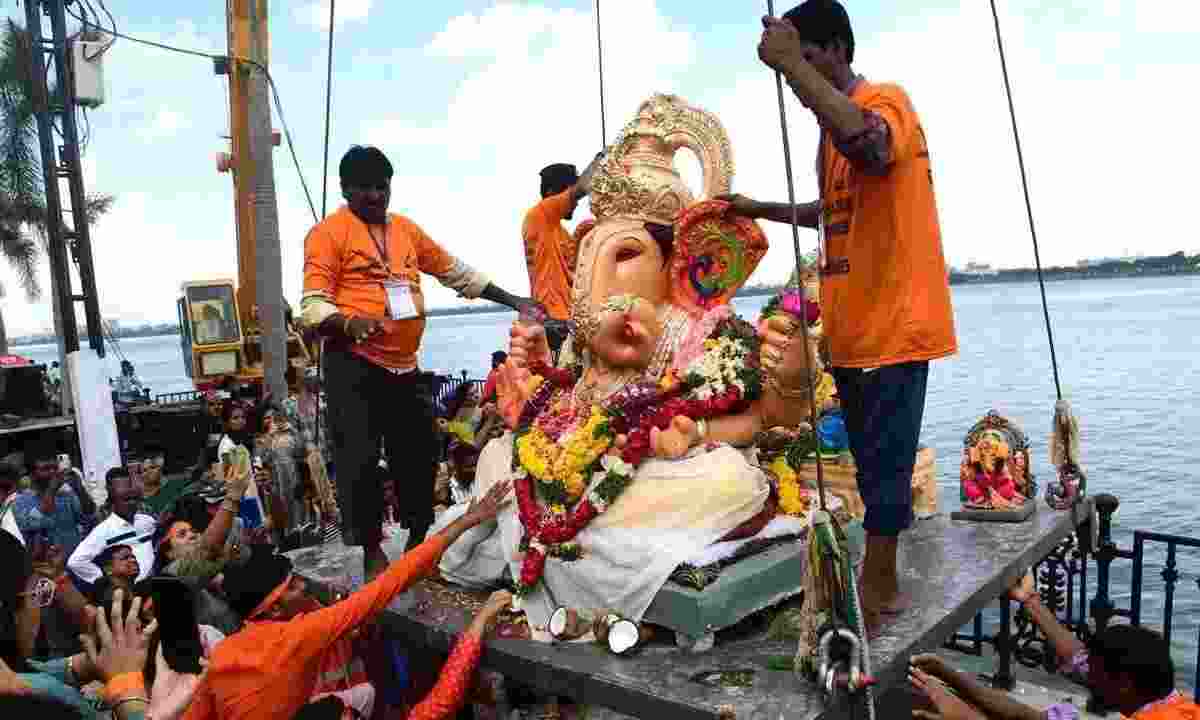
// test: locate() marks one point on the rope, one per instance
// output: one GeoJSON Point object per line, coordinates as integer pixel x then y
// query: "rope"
{"type": "Point", "coordinates": [328, 98]}
{"type": "Point", "coordinates": [287, 133]}
{"type": "Point", "coordinates": [600, 59]}
{"type": "Point", "coordinates": [791, 188]}
{"type": "Point", "coordinates": [1037, 259]}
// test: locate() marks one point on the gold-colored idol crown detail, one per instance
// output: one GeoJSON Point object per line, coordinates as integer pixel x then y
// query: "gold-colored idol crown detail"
{"type": "Point", "coordinates": [637, 179]}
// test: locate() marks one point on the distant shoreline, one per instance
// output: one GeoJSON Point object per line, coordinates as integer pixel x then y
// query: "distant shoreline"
{"type": "Point", "coordinates": [998, 278]}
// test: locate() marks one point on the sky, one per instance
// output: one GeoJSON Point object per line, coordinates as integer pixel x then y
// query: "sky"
{"type": "Point", "coordinates": [470, 100]}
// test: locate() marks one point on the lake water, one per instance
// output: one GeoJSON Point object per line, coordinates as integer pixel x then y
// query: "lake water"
{"type": "Point", "coordinates": [1128, 355]}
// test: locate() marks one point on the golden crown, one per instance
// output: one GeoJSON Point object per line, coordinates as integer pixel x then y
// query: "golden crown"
{"type": "Point", "coordinates": [637, 179]}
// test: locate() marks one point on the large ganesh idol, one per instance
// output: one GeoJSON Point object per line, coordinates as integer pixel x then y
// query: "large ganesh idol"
{"type": "Point", "coordinates": [634, 454]}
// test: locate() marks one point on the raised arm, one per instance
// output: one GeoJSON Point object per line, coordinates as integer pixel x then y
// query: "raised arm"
{"type": "Point", "coordinates": [457, 676]}
{"type": "Point", "coordinates": [217, 532]}
{"type": "Point", "coordinates": [806, 213]}
{"type": "Point", "coordinates": [313, 633]}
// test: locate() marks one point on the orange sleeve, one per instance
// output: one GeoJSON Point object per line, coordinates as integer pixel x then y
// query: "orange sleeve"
{"type": "Point", "coordinates": [454, 681]}
{"type": "Point", "coordinates": [321, 261]}
{"type": "Point", "coordinates": [203, 705]}
{"type": "Point", "coordinates": [322, 264]}
{"type": "Point", "coordinates": [312, 634]}
{"type": "Point", "coordinates": [892, 105]}
{"type": "Point", "coordinates": [431, 258]}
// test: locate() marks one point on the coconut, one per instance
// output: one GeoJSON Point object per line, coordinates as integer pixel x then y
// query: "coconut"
{"type": "Point", "coordinates": [625, 635]}
{"type": "Point", "coordinates": [565, 624]}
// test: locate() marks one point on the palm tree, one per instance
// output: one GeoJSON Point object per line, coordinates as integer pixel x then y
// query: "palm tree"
{"type": "Point", "coordinates": [23, 216]}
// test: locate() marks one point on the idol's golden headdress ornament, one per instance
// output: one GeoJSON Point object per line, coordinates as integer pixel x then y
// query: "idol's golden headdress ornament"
{"type": "Point", "coordinates": [637, 179]}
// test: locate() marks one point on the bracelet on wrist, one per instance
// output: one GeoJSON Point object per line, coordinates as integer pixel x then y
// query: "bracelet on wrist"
{"type": "Point", "coordinates": [128, 683]}
{"type": "Point", "coordinates": [702, 430]}
{"type": "Point", "coordinates": [130, 699]}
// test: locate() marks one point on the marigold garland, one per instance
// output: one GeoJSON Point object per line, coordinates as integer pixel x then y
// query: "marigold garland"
{"type": "Point", "coordinates": [723, 380]}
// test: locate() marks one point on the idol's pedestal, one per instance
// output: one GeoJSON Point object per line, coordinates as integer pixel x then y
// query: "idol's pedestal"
{"type": "Point", "coordinates": [953, 569]}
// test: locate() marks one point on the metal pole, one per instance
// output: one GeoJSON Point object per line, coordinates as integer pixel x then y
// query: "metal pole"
{"type": "Point", "coordinates": [79, 235]}
{"type": "Point", "coordinates": [268, 259]}
{"type": "Point", "coordinates": [54, 230]}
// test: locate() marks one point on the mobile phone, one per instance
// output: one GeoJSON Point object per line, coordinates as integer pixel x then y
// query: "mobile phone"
{"type": "Point", "coordinates": [178, 631]}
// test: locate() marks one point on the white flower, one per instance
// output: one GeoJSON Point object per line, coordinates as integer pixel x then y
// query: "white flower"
{"type": "Point", "coordinates": [614, 464]}
{"type": "Point", "coordinates": [597, 501]}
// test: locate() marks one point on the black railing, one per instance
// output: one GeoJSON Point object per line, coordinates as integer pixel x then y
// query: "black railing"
{"type": "Point", "coordinates": [444, 387]}
{"type": "Point", "coordinates": [1062, 583]}
{"type": "Point", "coordinates": [1170, 576]}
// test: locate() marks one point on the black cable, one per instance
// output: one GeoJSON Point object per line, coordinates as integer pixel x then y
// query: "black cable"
{"type": "Point", "coordinates": [1037, 259]}
{"type": "Point", "coordinates": [328, 98]}
{"type": "Point", "coordinates": [600, 59]}
{"type": "Point", "coordinates": [274, 94]}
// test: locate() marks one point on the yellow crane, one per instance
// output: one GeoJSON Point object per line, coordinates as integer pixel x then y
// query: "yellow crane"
{"type": "Point", "coordinates": [218, 318]}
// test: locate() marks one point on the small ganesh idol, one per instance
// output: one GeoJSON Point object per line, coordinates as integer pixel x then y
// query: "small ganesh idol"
{"type": "Point", "coordinates": [995, 473]}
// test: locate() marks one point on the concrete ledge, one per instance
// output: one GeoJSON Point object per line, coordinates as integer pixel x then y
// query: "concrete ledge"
{"type": "Point", "coordinates": [952, 568]}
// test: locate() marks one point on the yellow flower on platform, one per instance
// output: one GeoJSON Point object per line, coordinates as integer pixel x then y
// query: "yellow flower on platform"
{"type": "Point", "coordinates": [793, 500]}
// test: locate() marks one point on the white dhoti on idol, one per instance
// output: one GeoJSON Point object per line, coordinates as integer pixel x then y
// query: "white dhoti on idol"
{"type": "Point", "coordinates": [672, 510]}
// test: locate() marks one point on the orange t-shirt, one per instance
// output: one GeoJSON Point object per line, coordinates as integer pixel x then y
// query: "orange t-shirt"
{"type": "Point", "coordinates": [268, 670]}
{"type": "Point", "coordinates": [550, 254]}
{"type": "Point", "coordinates": [343, 263]}
{"type": "Point", "coordinates": [884, 275]}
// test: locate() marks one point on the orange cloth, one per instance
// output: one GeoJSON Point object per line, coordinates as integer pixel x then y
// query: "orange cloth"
{"type": "Point", "coordinates": [342, 265]}
{"type": "Point", "coordinates": [269, 670]}
{"type": "Point", "coordinates": [1176, 707]}
{"type": "Point", "coordinates": [550, 254]}
{"type": "Point", "coordinates": [884, 274]}
{"type": "Point", "coordinates": [455, 680]}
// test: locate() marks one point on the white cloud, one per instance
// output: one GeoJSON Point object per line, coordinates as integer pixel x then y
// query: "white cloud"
{"type": "Point", "coordinates": [521, 78]}
{"type": "Point", "coordinates": [166, 123]}
{"type": "Point", "coordinates": [316, 14]}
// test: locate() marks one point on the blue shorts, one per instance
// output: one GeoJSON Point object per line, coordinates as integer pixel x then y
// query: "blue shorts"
{"type": "Point", "coordinates": [883, 410]}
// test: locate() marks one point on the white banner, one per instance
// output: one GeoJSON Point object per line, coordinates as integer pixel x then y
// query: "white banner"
{"type": "Point", "coordinates": [94, 417]}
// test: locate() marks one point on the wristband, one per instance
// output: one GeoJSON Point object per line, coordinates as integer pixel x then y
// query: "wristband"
{"type": "Point", "coordinates": [124, 684]}
{"type": "Point", "coordinates": [702, 428]}
{"type": "Point", "coordinates": [131, 698]}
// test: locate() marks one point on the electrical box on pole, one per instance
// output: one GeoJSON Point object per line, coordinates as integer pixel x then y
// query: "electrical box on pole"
{"type": "Point", "coordinates": [87, 61]}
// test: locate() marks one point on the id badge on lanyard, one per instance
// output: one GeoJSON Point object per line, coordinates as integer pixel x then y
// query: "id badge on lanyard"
{"type": "Point", "coordinates": [400, 304]}
{"type": "Point", "coordinates": [397, 291]}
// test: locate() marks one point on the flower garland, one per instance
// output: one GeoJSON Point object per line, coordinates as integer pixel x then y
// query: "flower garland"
{"type": "Point", "coordinates": [577, 475]}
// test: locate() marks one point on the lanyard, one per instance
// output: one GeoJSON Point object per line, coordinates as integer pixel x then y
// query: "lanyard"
{"type": "Point", "coordinates": [382, 247]}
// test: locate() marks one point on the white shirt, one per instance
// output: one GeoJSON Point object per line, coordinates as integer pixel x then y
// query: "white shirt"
{"type": "Point", "coordinates": [115, 531]}
{"type": "Point", "coordinates": [8, 520]}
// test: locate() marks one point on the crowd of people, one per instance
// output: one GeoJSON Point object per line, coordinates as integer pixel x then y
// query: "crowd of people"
{"type": "Point", "coordinates": [114, 605]}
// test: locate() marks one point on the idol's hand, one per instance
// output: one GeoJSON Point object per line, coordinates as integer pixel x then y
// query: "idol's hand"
{"type": "Point", "coordinates": [527, 344]}
{"type": "Point", "coordinates": [787, 360]}
{"type": "Point", "coordinates": [676, 440]}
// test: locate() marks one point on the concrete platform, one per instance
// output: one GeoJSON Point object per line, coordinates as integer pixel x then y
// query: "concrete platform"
{"type": "Point", "coordinates": [952, 568]}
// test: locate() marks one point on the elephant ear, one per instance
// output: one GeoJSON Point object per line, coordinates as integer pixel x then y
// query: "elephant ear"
{"type": "Point", "coordinates": [714, 254]}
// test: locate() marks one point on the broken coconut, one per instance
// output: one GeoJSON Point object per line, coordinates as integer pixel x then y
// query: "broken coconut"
{"type": "Point", "coordinates": [566, 624]}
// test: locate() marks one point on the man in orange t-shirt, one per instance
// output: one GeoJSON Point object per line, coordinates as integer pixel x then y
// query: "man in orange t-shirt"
{"type": "Point", "coordinates": [362, 293]}
{"type": "Point", "coordinates": [883, 273]}
{"type": "Point", "coordinates": [270, 668]}
{"type": "Point", "coordinates": [550, 250]}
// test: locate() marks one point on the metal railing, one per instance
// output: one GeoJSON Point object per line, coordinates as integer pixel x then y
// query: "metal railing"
{"type": "Point", "coordinates": [1062, 583]}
